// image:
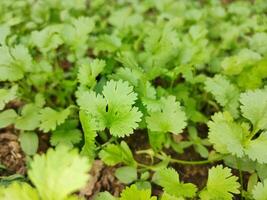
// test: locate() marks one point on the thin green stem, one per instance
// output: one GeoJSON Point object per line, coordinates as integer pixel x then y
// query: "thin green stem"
{"type": "Point", "coordinates": [151, 167]}
{"type": "Point", "coordinates": [241, 178]}
{"type": "Point", "coordinates": [185, 162]}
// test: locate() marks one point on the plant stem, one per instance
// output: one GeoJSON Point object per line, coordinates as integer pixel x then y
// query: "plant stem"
{"type": "Point", "coordinates": [241, 178]}
{"type": "Point", "coordinates": [185, 162]}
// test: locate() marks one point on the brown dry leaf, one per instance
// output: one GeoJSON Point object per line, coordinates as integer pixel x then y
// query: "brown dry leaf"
{"type": "Point", "coordinates": [102, 179]}
{"type": "Point", "coordinates": [11, 154]}
{"type": "Point", "coordinates": [95, 173]}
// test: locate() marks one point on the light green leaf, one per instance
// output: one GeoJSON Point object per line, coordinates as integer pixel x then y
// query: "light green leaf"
{"type": "Point", "coordinates": [168, 178]}
{"type": "Point", "coordinates": [254, 105]}
{"type": "Point", "coordinates": [51, 118]}
{"type": "Point", "coordinates": [168, 118]}
{"type": "Point", "coordinates": [7, 95]}
{"type": "Point", "coordinates": [114, 109]}
{"type": "Point", "coordinates": [132, 193]}
{"type": "Point", "coordinates": [18, 191]}
{"type": "Point", "coordinates": [113, 154]}
{"type": "Point", "coordinates": [29, 142]}
{"type": "Point", "coordinates": [260, 191]}
{"type": "Point", "coordinates": [7, 118]}
{"type": "Point", "coordinates": [4, 32]}
{"type": "Point", "coordinates": [104, 196]}
{"type": "Point", "coordinates": [225, 93]}
{"type": "Point", "coordinates": [223, 126]}
{"type": "Point", "coordinates": [221, 184]}
{"type": "Point", "coordinates": [89, 71]}
{"type": "Point", "coordinates": [257, 149]}
{"type": "Point", "coordinates": [66, 134]}
{"type": "Point", "coordinates": [89, 134]}
{"type": "Point", "coordinates": [30, 117]}
{"type": "Point", "coordinates": [53, 173]}
{"type": "Point", "coordinates": [126, 174]}
{"type": "Point", "coordinates": [258, 42]}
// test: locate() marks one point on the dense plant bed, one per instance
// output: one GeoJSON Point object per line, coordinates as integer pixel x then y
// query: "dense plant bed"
{"type": "Point", "coordinates": [133, 99]}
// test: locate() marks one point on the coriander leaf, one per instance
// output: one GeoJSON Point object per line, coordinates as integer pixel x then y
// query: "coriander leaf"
{"type": "Point", "coordinates": [7, 118]}
{"type": "Point", "coordinates": [4, 32]}
{"type": "Point", "coordinates": [168, 178]}
{"type": "Point", "coordinates": [260, 191]}
{"type": "Point", "coordinates": [89, 134]}
{"type": "Point", "coordinates": [89, 71]}
{"type": "Point", "coordinates": [29, 118]}
{"type": "Point", "coordinates": [14, 62]}
{"type": "Point", "coordinates": [58, 173]}
{"type": "Point", "coordinates": [256, 149]}
{"type": "Point", "coordinates": [221, 184]}
{"type": "Point", "coordinates": [104, 196]}
{"type": "Point", "coordinates": [225, 93]}
{"type": "Point", "coordinates": [7, 95]}
{"type": "Point", "coordinates": [18, 191]}
{"type": "Point", "coordinates": [113, 154]}
{"type": "Point", "coordinates": [126, 174]}
{"type": "Point", "coordinates": [168, 118]}
{"type": "Point", "coordinates": [66, 134]}
{"type": "Point", "coordinates": [123, 123]}
{"type": "Point", "coordinates": [29, 142]}
{"type": "Point", "coordinates": [223, 126]}
{"type": "Point", "coordinates": [254, 105]}
{"type": "Point", "coordinates": [76, 33]}
{"type": "Point", "coordinates": [114, 109]}
{"type": "Point", "coordinates": [234, 65]}
{"type": "Point", "coordinates": [51, 118]}
{"type": "Point", "coordinates": [119, 93]}
{"type": "Point", "coordinates": [166, 196]}
{"type": "Point", "coordinates": [132, 193]}
{"type": "Point", "coordinates": [47, 39]}
{"type": "Point", "coordinates": [258, 42]}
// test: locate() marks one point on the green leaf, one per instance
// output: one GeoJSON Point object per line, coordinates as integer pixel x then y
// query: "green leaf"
{"type": "Point", "coordinates": [258, 42]}
{"type": "Point", "coordinates": [104, 196]}
{"type": "Point", "coordinates": [169, 117]}
{"type": "Point", "coordinates": [14, 62]}
{"type": "Point", "coordinates": [29, 142]}
{"type": "Point", "coordinates": [66, 134]}
{"type": "Point", "coordinates": [89, 71]}
{"type": "Point", "coordinates": [114, 109]}
{"type": "Point", "coordinates": [126, 174]}
{"type": "Point", "coordinates": [225, 93]}
{"type": "Point", "coordinates": [4, 32]}
{"type": "Point", "coordinates": [76, 33]}
{"type": "Point", "coordinates": [168, 178]}
{"type": "Point", "coordinates": [254, 104]}
{"type": "Point", "coordinates": [7, 118]}
{"type": "Point", "coordinates": [221, 184]}
{"type": "Point", "coordinates": [223, 126]}
{"type": "Point", "coordinates": [30, 117]}
{"type": "Point", "coordinates": [89, 135]}
{"type": "Point", "coordinates": [234, 65]}
{"type": "Point", "coordinates": [132, 193]}
{"type": "Point", "coordinates": [51, 118]}
{"type": "Point", "coordinates": [18, 191]}
{"type": "Point", "coordinates": [113, 154]}
{"type": "Point", "coordinates": [58, 173]}
{"type": "Point", "coordinates": [7, 95]}
{"type": "Point", "coordinates": [166, 196]}
{"type": "Point", "coordinates": [260, 191]}
{"type": "Point", "coordinates": [257, 149]}
{"type": "Point", "coordinates": [47, 39]}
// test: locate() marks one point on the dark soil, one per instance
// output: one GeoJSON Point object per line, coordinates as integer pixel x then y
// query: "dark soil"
{"type": "Point", "coordinates": [11, 155]}
{"type": "Point", "coordinates": [102, 179]}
